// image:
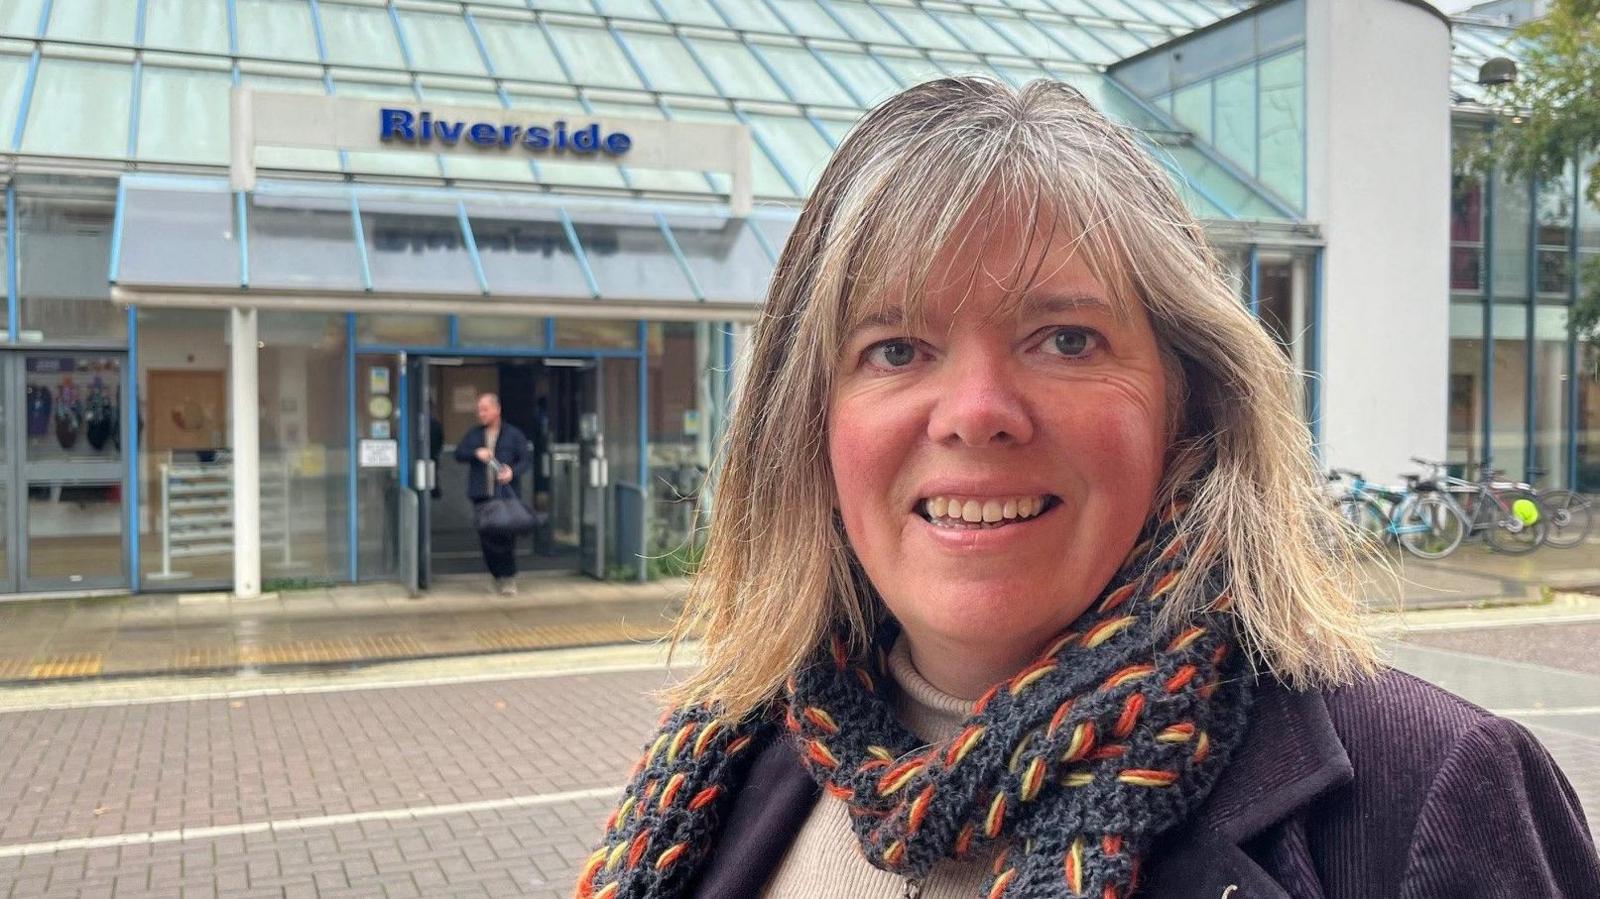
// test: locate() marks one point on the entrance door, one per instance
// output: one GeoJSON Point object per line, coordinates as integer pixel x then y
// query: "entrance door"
{"type": "Point", "coordinates": [61, 471]}
{"type": "Point", "coordinates": [427, 441]}
{"type": "Point", "coordinates": [593, 473]}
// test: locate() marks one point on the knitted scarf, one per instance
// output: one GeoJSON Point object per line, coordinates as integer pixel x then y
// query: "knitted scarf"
{"type": "Point", "coordinates": [1069, 770]}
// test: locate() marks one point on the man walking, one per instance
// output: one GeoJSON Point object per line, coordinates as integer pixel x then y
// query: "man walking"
{"type": "Point", "coordinates": [497, 454]}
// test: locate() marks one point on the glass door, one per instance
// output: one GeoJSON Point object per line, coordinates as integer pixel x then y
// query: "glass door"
{"type": "Point", "coordinates": [64, 470]}
{"type": "Point", "coordinates": [8, 492]}
{"type": "Point", "coordinates": [593, 473]}
{"type": "Point", "coordinates": [427, 443]}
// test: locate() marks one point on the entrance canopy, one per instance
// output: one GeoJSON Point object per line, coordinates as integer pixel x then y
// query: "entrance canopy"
{"type": "Point", "coordinates": [185, 241]}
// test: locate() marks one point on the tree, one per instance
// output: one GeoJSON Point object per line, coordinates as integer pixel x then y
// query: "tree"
{"type": "Point", "coordinates": [1556, 100]}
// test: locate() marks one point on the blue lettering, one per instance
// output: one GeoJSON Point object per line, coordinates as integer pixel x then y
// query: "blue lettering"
{"type": "Point", "coordinates": [586, 140]}
{"type": "Point", "coordinates": [449, 132]}
{"type": "Point", "coordinates": [618, 143]}
{"type": "Point", "coordinates": [427, 127]}
{"type": "Point", "coordinates": [508, 134]}
{"type": "Point", "coordinates": [538, 138]}
{"type": "Point", "coordinates": [393, 123]}
{"type": "Point", "coordinates": [483, 133]}
{"type": "Point", "coordinates": [561, 135]}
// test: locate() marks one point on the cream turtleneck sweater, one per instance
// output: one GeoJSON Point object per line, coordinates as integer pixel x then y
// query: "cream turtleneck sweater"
{"type": "Point", "coordinates": [825, 860]}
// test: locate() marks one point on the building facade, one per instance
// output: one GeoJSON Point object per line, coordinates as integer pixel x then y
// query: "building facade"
{"type": "Point", "coordinates": [209, 382]}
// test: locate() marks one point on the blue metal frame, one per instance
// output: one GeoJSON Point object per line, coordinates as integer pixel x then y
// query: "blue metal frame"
{"type": "Point", "coordinates": [13, 299]}
{"type": "Point", "coordinates": [130, 440]}
{"type": "Point", "coordinates": [233, 29]}
{"type": "Point", "coordinates": [1487, 455]}
{"type": "Point", "coordinates": [402, 385]}
{"type": "Point", "coordinates": [27, 95]}
{"type": "Point", "coordinates": [1530, 370]}
{"type": "Point", "coordinates": [361, 242]}
{"type": "Point", "coordinates": [352, 495]}
{"type": "Point", "coordinates": [472, 247]}
{"type": "Point", "coordinates": [677, 253]}
{"type": "Point", "coordinates": [316, 31]}
{"type": "Point", "coordinates": [1574, 266]}
{"type": "Point", "coordinates": [114, 267]}
{"type": "Point", "coordinates": [579, 252]}
{"type": "Point", "coordinates": [509, 352]}
{"type": "Point", "coordinates": [644, 448]}
{"type": "Point", "coordinates": [1314, 351]}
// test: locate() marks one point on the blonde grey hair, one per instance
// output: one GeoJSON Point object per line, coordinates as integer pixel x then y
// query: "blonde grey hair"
{"type": "Point", "coordinates": [914, 181]}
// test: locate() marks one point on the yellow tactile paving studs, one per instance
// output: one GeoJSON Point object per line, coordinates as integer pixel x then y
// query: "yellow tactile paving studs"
{"type": "Point", "coordinates": [547, 636]}
{"type": "Point", "coordinates": [82, 664]}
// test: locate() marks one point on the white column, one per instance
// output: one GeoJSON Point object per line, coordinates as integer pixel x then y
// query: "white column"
{"type": "Point", "coordinates": [243, 393]}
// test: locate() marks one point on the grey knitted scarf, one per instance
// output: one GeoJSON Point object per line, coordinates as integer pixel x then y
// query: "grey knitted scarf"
{"type": "Point", "coordinates": [1069, 770]}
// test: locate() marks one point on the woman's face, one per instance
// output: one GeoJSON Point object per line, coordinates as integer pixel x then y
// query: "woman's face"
{"type": "Point", "coordinates": [993, 470]}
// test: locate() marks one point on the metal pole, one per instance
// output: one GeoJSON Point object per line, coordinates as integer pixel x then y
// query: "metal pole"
{"type": "Point", "coordinates": [243, 391]}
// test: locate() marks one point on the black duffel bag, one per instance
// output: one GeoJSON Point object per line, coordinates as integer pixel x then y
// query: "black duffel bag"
{"type": "Point", "coordinates": [504, 514]}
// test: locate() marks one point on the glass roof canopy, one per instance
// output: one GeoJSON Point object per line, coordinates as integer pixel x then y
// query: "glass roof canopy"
{"type": "Point", "coordinates": [190, 241]}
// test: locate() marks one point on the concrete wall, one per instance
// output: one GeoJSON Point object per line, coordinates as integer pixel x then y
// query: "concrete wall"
{"type": "Point", "coordinates": [1378, 181]}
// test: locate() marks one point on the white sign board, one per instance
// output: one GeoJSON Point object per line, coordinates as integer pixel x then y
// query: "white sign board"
{"type": "Point", "coordinates": [380, 454]}
{"type": "Point", "coordinates": [268, 119]}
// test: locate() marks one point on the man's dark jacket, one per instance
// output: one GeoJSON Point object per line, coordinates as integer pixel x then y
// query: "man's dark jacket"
{"type": "Point", "coordinates": [510, 448]}
{"type": "Point", "coordinates": [1392, 788]}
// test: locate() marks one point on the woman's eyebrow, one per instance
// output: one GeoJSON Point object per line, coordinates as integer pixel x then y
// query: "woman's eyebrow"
{"type": "Point", "coordinates": [1054, 303]}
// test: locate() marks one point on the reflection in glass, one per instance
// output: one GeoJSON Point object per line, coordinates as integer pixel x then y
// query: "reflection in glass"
{"type": "Point", "coordinates": [73, 408]}
{"type": "Point", "coordinates": [178, 237]}
{"type": "Point", "coordinates": [63, 254]}
{"type": "Point", "coordinates": [630, 258]}
{"type": "Point", "coordinates": [725, 256]}
{"type": "Point", "coordinates": [403, 330]}
{"type": "Point", "coordinates": [587, 333]}
{"type": "Point", "coordinates": [521, 332]}
{"type": "Point", "coordinates": [416, 250]}
{"type": "Point", "coordinates": [526, 251]}
{"type": "Point", "coordinates": [74, 532]}
{"type": "Point", "coordinates": [302, 241]}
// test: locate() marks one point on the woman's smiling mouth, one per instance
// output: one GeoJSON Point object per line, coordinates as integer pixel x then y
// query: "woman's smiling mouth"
{"type": "Point", "coordinates": [966, 513]}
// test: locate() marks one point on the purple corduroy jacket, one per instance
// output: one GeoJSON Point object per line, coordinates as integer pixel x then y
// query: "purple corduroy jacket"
{"type": "Point", "coordinates": [1392, 788]}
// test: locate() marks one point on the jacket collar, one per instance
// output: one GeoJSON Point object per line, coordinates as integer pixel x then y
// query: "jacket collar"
{"type": "Point", "coordinates": [1291, 755]}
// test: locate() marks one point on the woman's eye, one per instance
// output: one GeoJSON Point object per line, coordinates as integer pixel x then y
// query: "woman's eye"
{"type": "Point", "coordinates": [1074, 342]}
{"type": "Point", "coordinates": [893, 353]}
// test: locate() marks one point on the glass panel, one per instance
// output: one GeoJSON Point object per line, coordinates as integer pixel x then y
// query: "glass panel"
{"type": "Point", "coordinates": [866, 78]}
{"type": "Point", "coordinates": [74, 532]}
{"type": "Point", "coordinates": [1550, 385]}
{"type": "Point", "coordinates": [13, 77]}
{"type": "Point", "coordinates": [797, 144]}
{"type": "Point", "coordinates": [1465, 445]}
{"type": "Point", "coordinates": [172, 236]}
{"type": "Point", "coordinates": [752, 15]}
{"type": "Point", "coordinates": [975, 34]}
{"type": "Point", "coordinates": [181, 116]}
{"type": "Point", "coordinates": [593, 173]}
{"type": "Point", "coordinates": [184, 483]}
{"type": "Point", "coordinates": [681, 438]}
{"type": "Point", "coordinates": [1080, 42]}
{"type": "Point", "coordinates": [1191, 106]}
{"type": "Point", "coordinates": [736, 71]}
{"type": "Point", "coordinates": [20, 17]}
{"type": "Point", "coordinates": [377, 489]}
{"type": "Point", "coordinates": [1122, 42]}
{"type": "Point", "coordinates": [806, 78]}
{"type": "Point", "coordinates": [360, 36]}
{"type": "Point", "coordinates": [1588, 430]}
{"type": "Point", "coordinates": [305, 446]}
{"type": "Point", "coordinates": [416, 247]}
{"type": "Point", "coordinates": [402, 330]}
{"type": "Point", "coordinates": [668, 64]}
{"type": "Point", "coordinates": [630, 257]}
{"type": "Point", "coordinates": [629, 9]}
{"type": "Point", "coordinates": [5, 511]}
{"type": "Point", "coordinates": [912, 70]}
{"type": "Point", "coordinates": [92, 21]}
{"type": "Point", "coordinates": [725, 256]}
{"type": "Point", "coordinates": [276, 29]}
{"type": "Point", "coordinates": [522, 332]}
{"type": "Point", "coordinates": [5, 400]}
{"type": "Point", "coordinates": [1030, 39]}
{"type": "Point", "coordinates": [79, 109]}
{"type": "Point", "coordinates": [596, 333]}
{"type": "Point", "coordinates": [440, 43]}
{"type": "Point", "coordinates": [809, 18]}
{"type": "Point", "coordinates": [1235, 98]}
{"type": "Point", "coordinates": [692, 12]}
{"type": "Point", "coordinates": [526, 251]}
{"type": "Point", "coordinates": [63, 260]}
{"type": "Point", "coordinates": [74, 408]}
{"type": "Point", "coordinates": [302, 241]}
{"type": "Point", "coordinates": [603, 62]}
{"type": "Point", "coordinates": [924, 30]}
{"type": "Point", "coordinates": [519, 50]}
{"type": "Point", "coordinates": [1283, 127]}
{"type": "Point", "coordinates": [199, 25]}
{"type": "Point", "coordinates": [578, 6]}
{"type": "Point", "coordinates": [866, 23]}
{"type": "Point", "coordinates": [1220, 186]}
{"type": "Point", "coordinates": [1159, 13]}
{"type": "Point", "coordinates": [1509, 443]}
{"type": "Point", "coordinates": [1512, 210]}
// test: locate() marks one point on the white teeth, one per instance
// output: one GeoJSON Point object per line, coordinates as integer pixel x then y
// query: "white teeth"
{"type": "Point", "coordinates": [953, 510]}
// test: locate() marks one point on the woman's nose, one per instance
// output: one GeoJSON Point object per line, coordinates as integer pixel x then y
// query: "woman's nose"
{"type": "Point", "coordinates": [980, 402]}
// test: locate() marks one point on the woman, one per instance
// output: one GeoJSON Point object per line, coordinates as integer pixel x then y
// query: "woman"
{"type": "Point", "coordinates": [1018, 584]}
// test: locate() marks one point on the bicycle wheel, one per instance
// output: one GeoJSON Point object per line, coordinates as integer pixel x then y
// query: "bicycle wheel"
{"type": "Point", "coordinates": [1570, 517]}
{"type": "Point", "coordinates": [1367, 521]}
{"type": "Point", "coordinates": [1429, 527]}
{"type": "Point", "coordinates": [1510, 532]}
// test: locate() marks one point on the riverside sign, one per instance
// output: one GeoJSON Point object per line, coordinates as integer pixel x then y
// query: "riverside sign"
{"type": "Point", "coordinates": [268, 119]}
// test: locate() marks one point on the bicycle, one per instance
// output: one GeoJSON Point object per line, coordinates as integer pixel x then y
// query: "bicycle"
{"type": "Point", "coordinates": [1492, 508]}
{"type": "Point", "coordinates": [1569, 512]}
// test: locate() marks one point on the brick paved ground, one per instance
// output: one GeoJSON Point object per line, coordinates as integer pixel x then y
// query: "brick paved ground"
{"type": "Point", "coordinates": [534, 759]}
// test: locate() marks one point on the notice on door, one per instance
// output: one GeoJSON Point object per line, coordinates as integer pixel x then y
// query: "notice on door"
{"type": "Point", "coordinates": [380, 454]}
